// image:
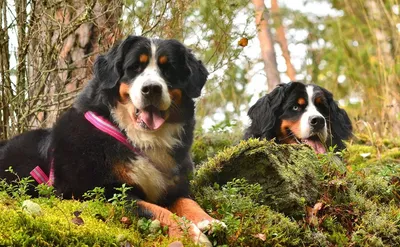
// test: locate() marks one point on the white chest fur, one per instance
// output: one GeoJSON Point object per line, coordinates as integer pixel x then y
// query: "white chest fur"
{"type": "Point", "coordinates": [154, 173]}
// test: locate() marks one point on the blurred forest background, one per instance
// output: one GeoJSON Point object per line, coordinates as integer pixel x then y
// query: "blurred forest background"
{"type": "Point", "coordinates": [351, 47]}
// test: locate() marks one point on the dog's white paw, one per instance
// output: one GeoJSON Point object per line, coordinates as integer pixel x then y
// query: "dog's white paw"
{"type": "Point", "coordinates": [211, 225]}
{"type": "Point", "coordinates": [199, 237]}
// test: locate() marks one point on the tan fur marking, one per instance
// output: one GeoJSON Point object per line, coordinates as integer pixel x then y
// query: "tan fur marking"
{"type": "Point", "coordinates": [124, 93]}
{"type": "Point", "coordinates": [294, 127]}
{"type": "Point", "coordinates": [318, 100]}
{"type": "Point", "coordinates": [163, 59]}
{"type": "Point", "coordinates": [176, 95]}
{"type": "Point", "coordinates": [143, 58]}
{"type": "Point", "coordinates": [301, 101]}
{"type": "Point", "coordinates": [121, 172]}
{"type": "Point", "coordinates": [185, 207]}
{"type": "Point", "coordinates": [165, 217]}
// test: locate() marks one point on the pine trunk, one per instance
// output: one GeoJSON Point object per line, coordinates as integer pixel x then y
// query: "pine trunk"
{"type": "Point", "coordinates": [73, 36]}
{"type": "Point", "coordinates": [281, 38]}
{"type": "Point", "coordinates": [266, 44]}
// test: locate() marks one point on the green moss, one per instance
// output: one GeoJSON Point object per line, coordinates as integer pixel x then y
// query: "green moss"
{"type": "Point", "coordinates": [209, 144]}
{"type": "Point", "coordinates": [358, 154]}
{"type": "Point", "coordinates": [288, 174]}
{"type": "Point", "coordinates": [54, 227]}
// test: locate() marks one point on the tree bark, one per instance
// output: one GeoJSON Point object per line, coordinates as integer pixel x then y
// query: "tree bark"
{"type": "Point", "coordinates": [266, 44]}
{"type": "Point", "coordinates": [281, 38]}
{"type": "Point", "coordinates": [5, 79]}
{"type": "Point", "coordinates": [74, 36]}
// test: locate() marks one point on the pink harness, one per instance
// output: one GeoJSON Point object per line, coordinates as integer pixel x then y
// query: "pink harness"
{"type": "Point", "coordinates": [100, 123]}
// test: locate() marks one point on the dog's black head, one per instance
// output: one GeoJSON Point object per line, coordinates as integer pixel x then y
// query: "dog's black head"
{"type": "Point", "coordinates": [145, 84]}
{"type": "Point", "coordinates": [295, 113]}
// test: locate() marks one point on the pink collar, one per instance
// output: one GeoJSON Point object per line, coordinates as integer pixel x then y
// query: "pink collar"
{"type": "Point", "coordinates": [100, 123]}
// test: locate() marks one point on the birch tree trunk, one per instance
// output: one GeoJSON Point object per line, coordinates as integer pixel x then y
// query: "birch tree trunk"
{"type": "Point", "coordinates": [266, 44]}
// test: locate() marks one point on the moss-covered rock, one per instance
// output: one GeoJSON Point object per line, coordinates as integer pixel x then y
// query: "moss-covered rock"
{"type": "Point", "coordinates": [288, 174]}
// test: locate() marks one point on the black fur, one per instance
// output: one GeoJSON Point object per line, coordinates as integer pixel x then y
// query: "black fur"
{"type": "Point", "coordinates": [267, 113]}
{"type": "Point", "coordinates": [83, 156]}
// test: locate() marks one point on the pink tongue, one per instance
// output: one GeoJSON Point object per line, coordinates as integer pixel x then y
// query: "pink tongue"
{"type": "Point", "coordinates": [316, 145]}
{"type": "Point", "coordinates": [151, 116]}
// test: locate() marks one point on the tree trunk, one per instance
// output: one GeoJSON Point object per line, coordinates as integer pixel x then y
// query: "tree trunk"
{"type": "Point", "coordinates": [5, 80]}
{"type": "Point", "coordinates": [74, 35]}
{"type": "Point", "coordinates": [266, 44]}
{"type": "Point", "coordinates": [288, 174]}
{"type": "Point", "coordinates": [281, 38]}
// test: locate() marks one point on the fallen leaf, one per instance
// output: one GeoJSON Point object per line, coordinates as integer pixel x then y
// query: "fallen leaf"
{"type": "Point", "coordinates": [126, 221]}
{"type": "Point", "coordinates": [77, 221]}
{"type": "Point", "coordinates": [312, 212]}
{"type": "Point", "coordinates": [260, 236]}
{"type": "Point", "coordinates": [77, 213]}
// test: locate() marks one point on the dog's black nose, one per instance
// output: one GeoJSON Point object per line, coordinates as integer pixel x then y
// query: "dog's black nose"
{"type": "Point", "coordinates": [316, 122]}
{"type": "Point", "coordinates": [151, 90]}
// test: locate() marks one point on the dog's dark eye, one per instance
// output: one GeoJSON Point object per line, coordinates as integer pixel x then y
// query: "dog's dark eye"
{"type": "Point", "coordinates": [134, 67]}
{"type": "Point", "coordinates": [296, 108]}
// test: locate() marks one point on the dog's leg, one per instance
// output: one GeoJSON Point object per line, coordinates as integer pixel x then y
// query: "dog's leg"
{"type": "Point", "coordinates": [174, 223]}
{"type": "Point", "coordinates": [189, 209]}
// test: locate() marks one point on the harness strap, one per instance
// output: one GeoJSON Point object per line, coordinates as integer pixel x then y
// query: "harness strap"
{"type": "Point", "coordinates": [100, 123]}
{"type": "Point", "coordinates": [110, 129]}
{"type": "Point", "coordinates": [39, 175]}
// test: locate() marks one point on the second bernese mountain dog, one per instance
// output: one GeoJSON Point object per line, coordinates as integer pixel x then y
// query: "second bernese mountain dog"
{"type": "Point", "coordinates": [300, 113]}
{"type": "Point", "coordinates": [132, 124]}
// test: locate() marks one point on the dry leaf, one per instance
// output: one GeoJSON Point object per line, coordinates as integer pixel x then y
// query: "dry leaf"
{"type": "Point", "coordinates": [260, 236]}
{"type": "Point", "coordinates": [126, 221]}
{"type": "Point", "coordinates": [312, 212]}
{"type": "Point", "coordinates": [77, 221]}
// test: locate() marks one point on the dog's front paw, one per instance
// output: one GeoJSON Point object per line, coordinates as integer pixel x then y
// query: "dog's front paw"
{"type": "Point", "coordinates": [211, 226]}
{"type": "Point", "coordinates": [198, 236]}
{"type": "Point", "coordinates": [179, 227]}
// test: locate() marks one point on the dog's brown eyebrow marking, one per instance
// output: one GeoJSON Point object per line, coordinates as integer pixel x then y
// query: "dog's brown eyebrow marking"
{"type": "Point", "coordinates": [163, 59]}
{"type": "Point", "coordinates": [318, 100]}
{"type": "Point", "coordinates": [301, 101]}
{"type": "Point", "coordinates": [143, 58]}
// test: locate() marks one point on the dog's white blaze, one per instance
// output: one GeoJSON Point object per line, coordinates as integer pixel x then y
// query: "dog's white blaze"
{"type": "Point", "coordinates": [311, 110]}
{"type": "Point", "coordinates": [150, 74]}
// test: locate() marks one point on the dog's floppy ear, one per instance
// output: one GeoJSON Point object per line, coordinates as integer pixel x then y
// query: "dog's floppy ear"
{"type": "Point", "coordinates": [197, 75]}
{"type": "Point", "coordinates": [265, 112]}
{"type": "Point", "coordinates": [108, 68]}
{"type": "Point", "coordinates": [340, 124]}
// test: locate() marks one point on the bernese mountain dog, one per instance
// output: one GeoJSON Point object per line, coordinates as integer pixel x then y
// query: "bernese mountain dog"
{"type": "Point", "coordinates": [300, 113]}
{"type": "Point", "coordinates": [132, 124]}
